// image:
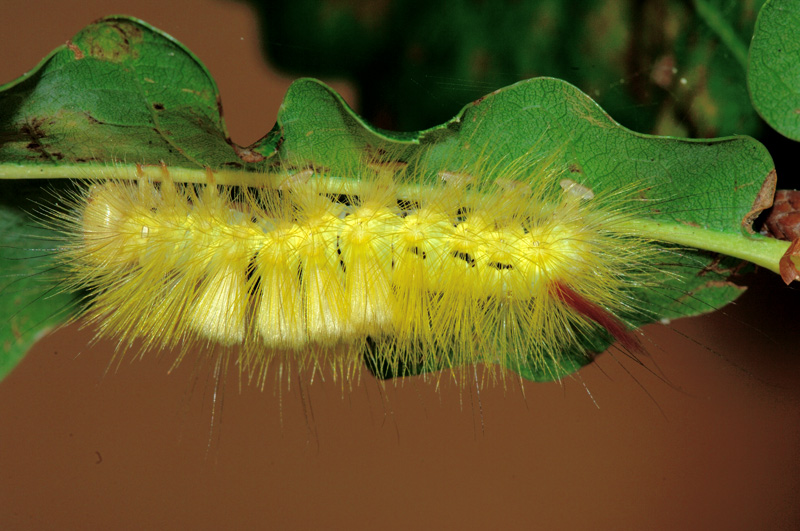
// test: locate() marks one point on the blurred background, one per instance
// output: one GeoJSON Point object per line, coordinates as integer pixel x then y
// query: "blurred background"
{"type": "Point", "coordinates": [705, 435]}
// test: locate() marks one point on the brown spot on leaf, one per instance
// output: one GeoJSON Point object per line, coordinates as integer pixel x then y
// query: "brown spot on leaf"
{"type": "Point", "coordinates": [77, 52]}
{"type": "Point", "coordinates": [246, 154]}
{"type": "Point", "coordinates": [33, 128]}
{"type": "Point", "coordinates": [763, 201]}
{"type": "Point", "coordinates": [722, 284]}
{"type": "Point", "coordinates": [716, 267]}
{"type": "Point", "coordinates": [15, 330]}
{"type": "Point", "coordinates": [158, 106]}
{"type": "Point", "coordinates": [219, 105]}
{"type": "Point", "coordinates": [114, 40]}
{"type": "Point", "coordinates": [783, 222]}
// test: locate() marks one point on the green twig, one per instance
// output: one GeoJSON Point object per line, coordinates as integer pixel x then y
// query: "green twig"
{"type": "Point", "coordinates": [760, 250]}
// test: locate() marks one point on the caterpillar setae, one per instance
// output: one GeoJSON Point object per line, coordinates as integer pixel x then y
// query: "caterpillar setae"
{"type": "Point", "coordinates": [416, 269]}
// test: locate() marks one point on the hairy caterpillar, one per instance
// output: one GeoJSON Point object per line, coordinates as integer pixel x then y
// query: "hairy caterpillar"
{"type": "Point", "coordinates": [417, 269]}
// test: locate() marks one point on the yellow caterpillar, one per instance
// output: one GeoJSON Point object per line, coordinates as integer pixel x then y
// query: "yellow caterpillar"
{"type": "Point", "coordinates": [510, 264]}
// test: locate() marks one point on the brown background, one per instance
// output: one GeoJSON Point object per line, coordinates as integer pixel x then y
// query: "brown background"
{"type": "Point", "coordinates": [713, 443]}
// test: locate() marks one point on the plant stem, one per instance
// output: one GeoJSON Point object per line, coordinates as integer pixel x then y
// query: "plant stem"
{"type": "Point", "coordinates": [760, 250]}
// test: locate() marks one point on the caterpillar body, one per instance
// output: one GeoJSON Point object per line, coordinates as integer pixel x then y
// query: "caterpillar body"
{"type": "Point", "coordinates": [509, 265]}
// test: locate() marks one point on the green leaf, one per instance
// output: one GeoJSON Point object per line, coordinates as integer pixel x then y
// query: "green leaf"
{"type": "Point", "coordinates": [122, 97]}
{"type": "Point", "coordinates": [29, 305]}
{"type": "Point", "coordinates": [119, 91]}
{"type": "Point", "coordinates": [774, 73]}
